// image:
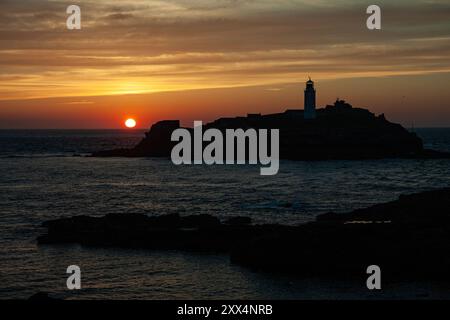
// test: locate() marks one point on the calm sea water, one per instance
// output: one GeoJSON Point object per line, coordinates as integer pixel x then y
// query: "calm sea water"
{"type": "Point", "coordinates": [40, 179]}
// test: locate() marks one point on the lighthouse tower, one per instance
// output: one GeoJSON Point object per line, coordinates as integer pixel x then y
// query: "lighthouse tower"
{"type": "Point", "coordinates": [310, 100]}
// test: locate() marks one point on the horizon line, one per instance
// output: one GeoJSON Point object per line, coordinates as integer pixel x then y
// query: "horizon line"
{"type": "Point", "coordinates": [139, 129]}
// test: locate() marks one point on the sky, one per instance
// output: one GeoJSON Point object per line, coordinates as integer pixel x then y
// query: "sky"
{"type": "Point", "coordinates": [203, 59]}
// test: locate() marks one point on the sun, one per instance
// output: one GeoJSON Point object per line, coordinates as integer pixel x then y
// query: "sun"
{"type": "Point", "coordinates": [130, 123]}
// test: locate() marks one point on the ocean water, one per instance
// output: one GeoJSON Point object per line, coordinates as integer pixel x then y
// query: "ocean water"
{"type": "Point", "coordinates": [41, 179]}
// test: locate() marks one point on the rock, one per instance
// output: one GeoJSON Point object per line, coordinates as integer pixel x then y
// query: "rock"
{"type": "Point", "coordinates": [339, 132]}
{"type": "Point", "coordinates": [415, 209]}
{"type": "Point", "coordinates": [196, 233]}
{"type": "Point", "coordinates": [157, 143]}
{"type": "Point", "coordinates": [200, 221]}
{"type": "Point", "coordinates": [408, 238]}
{"type": "Point", "coordinates": [239, 221]}
{"type": "Point", "coordinates": [41, 297]}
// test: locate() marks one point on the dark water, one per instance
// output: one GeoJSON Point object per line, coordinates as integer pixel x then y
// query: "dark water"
{"type": "Point", "coordinates": [40, 180]}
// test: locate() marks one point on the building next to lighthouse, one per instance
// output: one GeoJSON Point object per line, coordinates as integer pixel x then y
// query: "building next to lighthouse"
{"type": "Point", "coordinates": [310, 101]}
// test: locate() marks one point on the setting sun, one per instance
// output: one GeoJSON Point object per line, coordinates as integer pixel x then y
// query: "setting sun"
{"type": "Point", "coordinates": [130, 123]}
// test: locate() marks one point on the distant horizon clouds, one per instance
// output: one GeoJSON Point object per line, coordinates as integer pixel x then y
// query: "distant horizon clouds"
{"type": "Point", "coordinates": [153, 48]}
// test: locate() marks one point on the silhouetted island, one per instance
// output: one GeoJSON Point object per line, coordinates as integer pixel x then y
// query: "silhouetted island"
{"type": "Point", "coordinates": [408, 238]}
{"type": "Point", "coordinates": [337, 131]}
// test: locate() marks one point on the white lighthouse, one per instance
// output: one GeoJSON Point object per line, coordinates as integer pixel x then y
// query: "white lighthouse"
{"type": "Point", "coordinates": [310, 100]}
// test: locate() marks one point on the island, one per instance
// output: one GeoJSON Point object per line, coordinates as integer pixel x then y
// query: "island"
{"type": "Point", "coordinates": [335, 132]}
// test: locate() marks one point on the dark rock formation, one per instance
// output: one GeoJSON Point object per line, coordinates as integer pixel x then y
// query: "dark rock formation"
{"type": "Point", "coordinates": [195, 233]}
{"type": "Point", "coordinates": [239, 221]}
{"type": "Point", "coordinates": [42, 297]}
{"type": "Point", "coordinates": [407, 238]}
{"type": "Point", "coordinates": [157, 143]}
{"type": "Point", "coordinates": [339, 132]}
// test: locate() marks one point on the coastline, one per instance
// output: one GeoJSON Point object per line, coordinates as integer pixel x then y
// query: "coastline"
{"type": "Point", "coordinates": [407, 237]}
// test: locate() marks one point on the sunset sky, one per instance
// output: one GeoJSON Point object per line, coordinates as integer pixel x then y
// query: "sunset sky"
{"type": "Point", "coordinates": [202, 59]}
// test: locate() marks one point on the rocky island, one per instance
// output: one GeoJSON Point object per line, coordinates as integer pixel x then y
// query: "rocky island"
{"type": "Point", "coordinates": [408, 238]}
{"type": "Point", "coordinates": [338, 131]}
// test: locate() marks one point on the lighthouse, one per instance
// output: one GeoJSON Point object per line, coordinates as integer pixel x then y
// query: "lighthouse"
{"type": "Point", "coordinates": [310, 100]}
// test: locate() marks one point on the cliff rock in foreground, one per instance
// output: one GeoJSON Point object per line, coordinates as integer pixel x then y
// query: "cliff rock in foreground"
{"type": "Point", "coordinates": [408, 238]}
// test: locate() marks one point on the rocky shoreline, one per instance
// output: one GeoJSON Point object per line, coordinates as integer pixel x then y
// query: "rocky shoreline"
{"type": "Point", "coordinates": [408, 238]}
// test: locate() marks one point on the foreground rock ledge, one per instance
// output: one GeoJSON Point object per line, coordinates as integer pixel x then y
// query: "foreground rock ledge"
{"type": "Point", "coordinates": [407, 238]}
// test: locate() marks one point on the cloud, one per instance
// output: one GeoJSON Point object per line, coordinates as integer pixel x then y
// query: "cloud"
{"type": "Point", "coordinates": [138, 46]}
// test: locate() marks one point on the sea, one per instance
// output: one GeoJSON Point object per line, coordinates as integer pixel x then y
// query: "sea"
{"type": "Point", "coordinates": [46, 174]}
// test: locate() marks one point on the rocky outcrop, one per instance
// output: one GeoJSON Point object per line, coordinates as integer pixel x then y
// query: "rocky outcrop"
{"type": "Point", "coordinates": [157, 143]}
{"type": "Point", "coordinates": [407, 238]}
{"type": "Point", "coordinates": [194, 233]}
{"type": "Point", "coordinates": [339, 132]}
{"type": "Point", "coordinates": [42, 297]}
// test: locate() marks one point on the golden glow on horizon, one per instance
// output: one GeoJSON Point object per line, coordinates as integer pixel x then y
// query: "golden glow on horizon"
{"type": "Point", "coordinates": [199, 59]}
{"type": "Point", "coordinates": [93, 88]}
{"type": "Point", "coordinates": [174, 57]}
{"type": "Point", "coordinates": [130, 123]}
